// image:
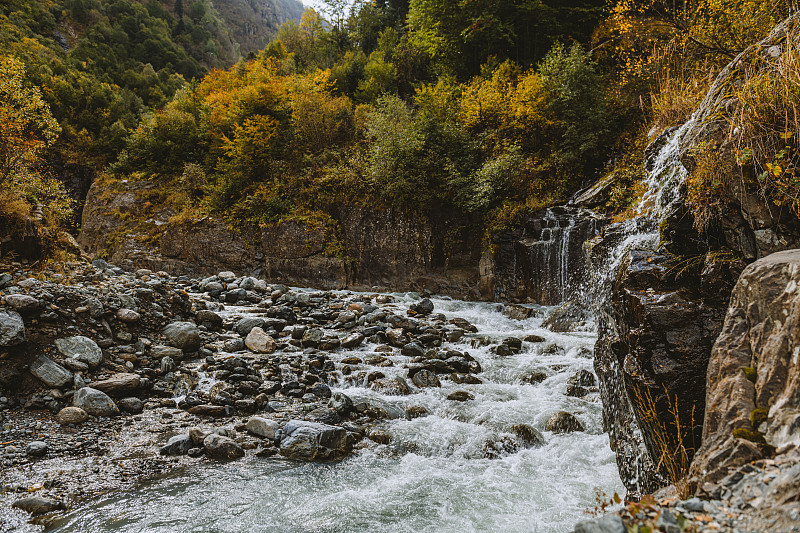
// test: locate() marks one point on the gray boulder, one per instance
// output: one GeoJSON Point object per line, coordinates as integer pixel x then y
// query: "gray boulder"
{"type": "Point", "coordinates": [245, 325]}
{"type": "Point", "coordinates": [95, 402]}
{"type": "Point", "coordinates": [12, 328]}
{"type": "Point", "coordinates": [119, 384]}
{"type": "Point", "coordinates": [183, 335]}
{"type": "Point", "coordinates": [220, 447]}
{"type": "Point", "coordinates": [37, 504]}
{"type": "Point", "coordinates": [50, 372]}
{"type": "Point", "coordinates": [569, 316]}
{"type": "Point", "coordinates": [262, 427]}
{"type": "Point", "coordinates": [36, 448]}
{"type": "Point", "coordinates": [177, 445]}
{"type": "Point", "coordinates": [22, 303]}
{"type": "Point", "coordinates": [81, 348]}
{"type": "Point", "coordinates": [312, 441]}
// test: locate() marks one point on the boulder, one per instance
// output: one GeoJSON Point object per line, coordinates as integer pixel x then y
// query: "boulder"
{"type": "Point", "coordinates": [223, 448]}
{"type": "Point", "coordinates": [12, 328]}
{"type": "Point", "coordinates": [258, 341]}
{"type": "Point", "coordinates": [426, 378]}
{"type": "Point", "coordinates": [609, 523]}
{"type": "Point", "coordinates": [50, 372]}
{"type": "Point", "coordinates": [131, 405]}
{"type": "Point", "coordinates": [183, 335]}
{"type": "Point", "coordinates": [754, 368]}
{"type": "Point", "coordinates": [95, 402]}
{"type": "Point", "coordinates": [177, 445]}
{"type": "Point", "coordinates": [37, 504]}
{"type": "Point", "coordinates": [312, 338]}
{"type": "Point", "coordinates": [128, 315]}
{"type": "Point", "coordinates": [118, 384]}
{"type": "Point", "coordinates": [22, 303]}
{"type": "Point", "coordinates": [353, 340]}
{"type": "Point", "coordinates": [518, 312]}
{"type": "Point", "coordinates": [246, 324]}
{"type": "Point", "coordinates": [423, 307]}
{"type": "Point", "coordinates": [262, 427]}
{"type": "Point", "coordinates": [460, 396]}
{"type": "Point", "coordinates": [81, 348]}
{"type": "Point", "coordinates": [36, 448]}
{"type": "Point", "coordinates": [563, 422]}
{"type": "Point", "coordinates": [392, 386]}
{"type": "Point", "coordinates": [569, 316]}
{"type": "Point", "coordinates": [312, 441]}
{"type": "Point", "coordinates": [210, 318]}
{"type": "Point", "coordinates": [72, 415]}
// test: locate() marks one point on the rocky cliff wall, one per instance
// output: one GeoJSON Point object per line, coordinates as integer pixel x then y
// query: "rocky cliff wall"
{"type": "Point", "coordinates": [538, 260]}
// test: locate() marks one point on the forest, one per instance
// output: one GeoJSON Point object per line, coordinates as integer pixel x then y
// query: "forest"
{"type": "Point", "coordinates": [489, 108]}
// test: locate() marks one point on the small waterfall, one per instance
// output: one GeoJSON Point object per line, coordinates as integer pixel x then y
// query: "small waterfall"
{"type": "Point", "coordinates": [665, 178]}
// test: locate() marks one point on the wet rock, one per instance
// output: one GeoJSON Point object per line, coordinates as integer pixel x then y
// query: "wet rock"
{"type": "Point", "coordinates": [36, 448]}
{"type": "Point", "coordinates": [12, 328]}
{"type": "Point", "coordinates": [222, 448]}
{"type": "Point", "coordinates": [423, 307]}
{"type": "Point", "coordinates": [576, 391]}
{"type": "Point", "coordinates": [72, 415]}
{"type": "Point", "coordinates": [609, 523]}
{"type": "Point", "coordinates": [341, 403]}
{"type": "Point", "coordinates": [160, 351]}
{"type": "Point", "coordinates": [215, 411]}
{"type": "Point", "coordinates": [95, 402]}
{"type": "Point", "coordinates": [534, 338]}
{"type": "Point", "coordinates": [563, 422]}
{"type": "Point", "coordinates": [569, 316]}
{"type": "Point", "coordinates": [183, 335]}
{"type": "Point", "coordinates": [262, 427]}
{"type": "Point", "coordinates": [353, 340]}
{"type": "Point", "coordinates": [50, 372]}
{"type": "Point", "coordinates": [258, 341]}
{"type": "Point", "coordinates": [209, 318]}
{"type": "Point", "coordinates": [416, 411]}
{"type": "Point", "coordinates": [177, 445]}
{"type": "Point", "coordinates": [320, 390]}
{"type": "Point", "coordinates": [527, 435]}
{"type": "Point", "coordinates": [37, 505]}
{"type": "Point", "coordinates": [131, 405]}
{"type": "Point", "coordinates": [128, 315]}
{"type": "Point", "coordinates": [312, 338]}
{"type": "Point", "coordinates": [412, 349]}
{"type": "Point", "coordinates": [518, 312]}
{"type": "Point", "coordinates": [312, 441]}
{"type": "Point", "coordinates": [460, 396]}
{"type": "Point", "coordinates": [118, 384]}
{"type": "Point", "coordinates": [463, 324]}
{"type": "Point", "coordinates": [80, 348]}
{"type": "Point", "coordinates": [582, 378]}
{"type": "Point", "coordinates": [22, 303]}
{"type": "Point", "coordinates": [466, 379]}
{"type": "Point", "coordinates": [533, 377]}
{"type": "Point", "coordinates": [245, 325]}
{"type": "Point", "coordinates": [392, 386]}
{"type": "Point", "coordinates": [426, 378]}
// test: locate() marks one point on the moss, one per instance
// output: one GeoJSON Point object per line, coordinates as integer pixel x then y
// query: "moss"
{"type": "Point", "coordinates": [749, 434]}
{"type": "Point", "coordinates": [750, 373]}
{"type": "Point", "coordinates": [758, 416]}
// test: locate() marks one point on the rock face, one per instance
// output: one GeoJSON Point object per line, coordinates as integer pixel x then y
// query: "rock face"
{"type": "Point", "coordinates": [753, 406]}
{"type": "Point", "coordinates": [311, 441]}
{"type": "Point", "coordinates": [542, 260]}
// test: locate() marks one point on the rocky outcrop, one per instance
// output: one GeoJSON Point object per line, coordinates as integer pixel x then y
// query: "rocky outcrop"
{"type": "Point", "coordinates": [752, 400]}
{"type": "Point", "coordinates": [542, 259]}
{"type": "Point", "coordinates": [358, 247]}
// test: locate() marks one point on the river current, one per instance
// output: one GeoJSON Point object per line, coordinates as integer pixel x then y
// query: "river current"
{"type": "Point", "coordinates": [433, 476]}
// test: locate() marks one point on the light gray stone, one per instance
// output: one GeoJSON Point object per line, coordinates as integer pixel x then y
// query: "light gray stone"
{"type": "Point", "coordinates": [50, 372]}
{"type": "Point", "coordinates": [81, 348]}
{"type": "Point", "coordinates": [12, 328]}
{"type": "Point", "coordinates": [95, 402]}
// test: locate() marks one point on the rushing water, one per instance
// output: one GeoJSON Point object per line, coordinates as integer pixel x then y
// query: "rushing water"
{"type": "Point", "coordinates": [433, 476]}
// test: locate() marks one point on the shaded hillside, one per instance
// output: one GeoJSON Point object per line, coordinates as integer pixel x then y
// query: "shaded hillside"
{"type": "Point", "coordinates": [253, 23]}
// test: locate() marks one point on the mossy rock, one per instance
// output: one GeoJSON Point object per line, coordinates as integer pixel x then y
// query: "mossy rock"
{"type": "Point", "coordinates": [750, 373]}
{"type": "Point", "coordinates": [749, 434]}
{"type": "Point", "coordinates": [757, 416]}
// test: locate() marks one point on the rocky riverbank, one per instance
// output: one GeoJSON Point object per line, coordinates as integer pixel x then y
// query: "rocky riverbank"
{"type": "Point", "coordinates": [110, 377]}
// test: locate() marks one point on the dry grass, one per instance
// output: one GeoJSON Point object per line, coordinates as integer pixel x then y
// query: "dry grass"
{"type": "Point", "coordinates": [674, 458]}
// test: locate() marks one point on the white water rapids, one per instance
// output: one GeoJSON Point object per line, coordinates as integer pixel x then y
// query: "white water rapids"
{"type": "Point", "coordinates": [432, 477]}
